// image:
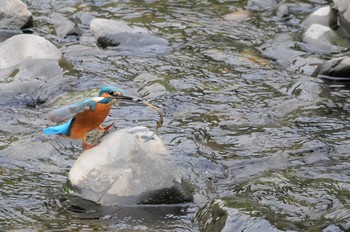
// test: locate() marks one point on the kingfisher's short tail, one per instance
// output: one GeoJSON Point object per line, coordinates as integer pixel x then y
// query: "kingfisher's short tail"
{"type": "Point", "coordinates": [58, 130]}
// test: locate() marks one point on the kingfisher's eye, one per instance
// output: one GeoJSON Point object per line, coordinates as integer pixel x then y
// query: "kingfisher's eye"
{"type": "Point", "coordinates": [111, 93]}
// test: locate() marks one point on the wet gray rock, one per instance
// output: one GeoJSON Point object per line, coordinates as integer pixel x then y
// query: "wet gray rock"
{"type": "Point", "coordinates": [23, 47]}
{"type": "Point", "coordinates": [324, 16]}
{"type": "Point", "coordinates": [283, 11]}
{"type": "Point", "coordinates": [85, 18]}
{"type": "Point", "coordinates": [63, 26]}
{"type": "Point", "coordinates": [102, 27]}
{"type": "Point", "coordinates": [343, 7]}
{"type": "Point", "coordinates": [130, 166]}
{"type": "Point", "coordinates": [322, 39]}
{"type": "Point", "coordinates": [117, 33]}
{"type": "Point", "coordinates": [262, 5]}
{"type": "Point", "coordinates": [281, 49]}
{"type": "Point", "coordinates": [305, 64]}
{"type": "Point", "coordinates": [30, 73]}
{"type": "Point", "coordinates": [15, 15]}
{"type": "Point", "coordinates": [31, 83]}
{"type": "Point", "coordinates": [335, 69]}
{"type": "Point", "coordinates": [332, 228]}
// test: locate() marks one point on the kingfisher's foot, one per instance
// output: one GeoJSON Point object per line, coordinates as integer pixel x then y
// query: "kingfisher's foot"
{"type": "Point", "coordinates": [106, 129]}
{"type": "Point", "coordinates": [88, 146]}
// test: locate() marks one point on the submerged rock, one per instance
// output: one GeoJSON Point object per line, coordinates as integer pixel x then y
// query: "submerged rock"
{"type": "Point", "coordinates": [237, 16]}
{"type": "Point", "coordinates": [225, 215]}
{"type": "Point", "coordinates": [262, 5]}
{"type": "Point", "coordinates": [150, 85]}
{"type": "Point", "coordinates": [336, 69]}
{"type": "Point", "coordinates": [130, 166]}
{"type": "Point", "coordinates": [23, 47]}
{"type": "Point", "coordinates": [305, 64]}
{"type": "Point", "coordinates": [15, 15]}
{"type": "Point", "coordinates": [281, 49]}
{"type": "Point", "coordinates": [116, 33]}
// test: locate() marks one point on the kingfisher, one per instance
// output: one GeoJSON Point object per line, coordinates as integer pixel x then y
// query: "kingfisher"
{"type": "Point", "coordinates": [86, 115]}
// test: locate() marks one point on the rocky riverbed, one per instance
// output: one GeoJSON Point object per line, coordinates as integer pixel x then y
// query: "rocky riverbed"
{"type": "Point", "coordinates": [254, 93]}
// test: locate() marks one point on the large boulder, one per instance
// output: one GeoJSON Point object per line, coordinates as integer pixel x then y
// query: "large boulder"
{"type": "Point", "coordinates": [117, 33]}
{"type": "Point", "coordinates": [23, 47]}
{"type": "Point", "coordinates": [130, 166]}
{"type": "Point", "coordinates": [15, 15]}
{"type": "Point", "coordinates": [30, 73]}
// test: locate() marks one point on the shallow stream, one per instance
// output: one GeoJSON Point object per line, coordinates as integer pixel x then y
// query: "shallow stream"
{"type": "Point", "coordinates": [270, 146]}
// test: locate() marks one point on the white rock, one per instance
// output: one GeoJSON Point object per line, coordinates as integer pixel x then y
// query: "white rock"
{"type": "Point", "coordinates": [324, 16]}
{"type": "Point", "coordinates": [128, 167]}
{"type": "Point", "coordinates": [14, 14]}
{"type": "Point", "coordinates": [343, 7]}
{"type": "Point", "coordinates": [130, 39]}
{"type": "Point", "coordinates": [101, 27]}
{"type": "Point", "coordinates": [23, 47]}
{"type": "Point", "coordinates": [322, 39]}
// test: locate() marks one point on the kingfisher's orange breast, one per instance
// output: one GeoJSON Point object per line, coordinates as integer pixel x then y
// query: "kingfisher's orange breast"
{"type": "Point", "coordinates": [89, 120]}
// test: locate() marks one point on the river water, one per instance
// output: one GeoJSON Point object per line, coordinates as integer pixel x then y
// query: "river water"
{"type": "Point", "coordinates": [267, 145]}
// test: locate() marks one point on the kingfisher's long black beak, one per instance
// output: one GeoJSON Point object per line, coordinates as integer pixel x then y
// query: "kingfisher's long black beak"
{"type": "Point", "coordinates": [123, 97]}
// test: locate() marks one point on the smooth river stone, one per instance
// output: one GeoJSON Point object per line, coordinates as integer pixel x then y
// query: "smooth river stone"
{"type": "Point", "coordinates": [130, 166]}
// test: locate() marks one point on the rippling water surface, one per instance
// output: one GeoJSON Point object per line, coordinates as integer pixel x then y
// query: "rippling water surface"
{"type": "Point", "coordinates": [268, 145]}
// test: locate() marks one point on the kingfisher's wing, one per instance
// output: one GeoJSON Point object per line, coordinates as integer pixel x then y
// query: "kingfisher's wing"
{"type": "Point", "coordinates": [67, 112]}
